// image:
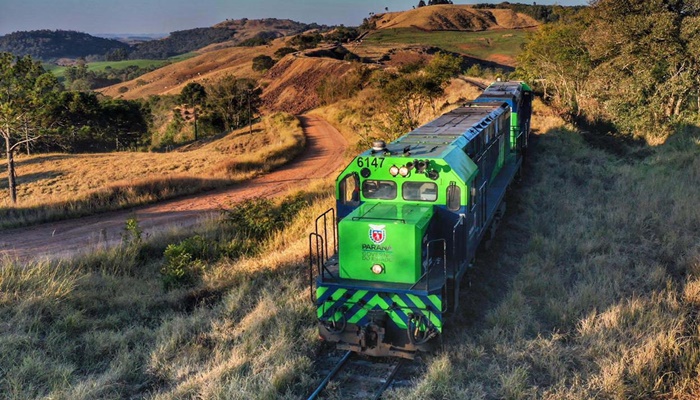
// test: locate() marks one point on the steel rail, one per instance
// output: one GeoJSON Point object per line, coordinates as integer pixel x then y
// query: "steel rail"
{"type": "Point", "coordinates": [330, 376]}
{"type": "Point", "coordinates": [390, 379]}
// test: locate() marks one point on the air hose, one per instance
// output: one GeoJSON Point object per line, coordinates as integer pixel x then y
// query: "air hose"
{"type": "Point", "coordinates": [415, 335]}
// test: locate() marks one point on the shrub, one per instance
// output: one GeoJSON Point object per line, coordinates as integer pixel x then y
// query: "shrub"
{"type": "Point", "coordinates": [262, 63]}
{"type": "Point", "coordinates": [132, 231]}
{"type": "Point", "coordinates": [284, 51]}
{"type": "Point", "coordinates": [183, 267]}
{"type": "Point", "coordinates": [256, 218]}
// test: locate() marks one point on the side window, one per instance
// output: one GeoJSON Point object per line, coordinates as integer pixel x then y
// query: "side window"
{"type": "Point", "coordinates": [472, 196]}
{"type": "Point", "coordinates": [453, 197]}
{"type": "Point", "coordinates": [350, 190]}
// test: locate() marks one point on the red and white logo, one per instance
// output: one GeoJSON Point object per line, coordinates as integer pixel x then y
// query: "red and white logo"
{"type": "Point", "coordinates": [377, 233]}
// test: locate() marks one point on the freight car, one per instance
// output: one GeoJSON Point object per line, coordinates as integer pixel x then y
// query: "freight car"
{"type": "Point", "coordinates": [385, 269]}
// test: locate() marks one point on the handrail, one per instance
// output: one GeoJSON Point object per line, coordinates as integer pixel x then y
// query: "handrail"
{"type": "Point", "coordinates": [318, 237]}
{"type": "Point", "coordinates": [403, 221]}
{"type": "Point", "coordinates": [460, 221]}
{"type": "Point", "coordinates": [324, 216]}
{"type": "Point", "coordinates": [319, 251]}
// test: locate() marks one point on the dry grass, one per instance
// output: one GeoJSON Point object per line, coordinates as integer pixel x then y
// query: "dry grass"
{"type": "Point", "coordinates": [102, 326]}
{"type": "Point", "coordinates": [592, 288]}
{"type": "Point", "coordinates": [454, 18]}
{"type": "Point", "coordinates": [210, 65]}
{"type": "Point", "coordinates": [53, 186]}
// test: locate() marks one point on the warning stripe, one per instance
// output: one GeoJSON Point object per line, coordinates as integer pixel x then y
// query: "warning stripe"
{"type": "Point", "coordinates": [359, 303]}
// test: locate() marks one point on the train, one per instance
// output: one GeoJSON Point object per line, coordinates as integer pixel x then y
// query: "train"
{"type": "Point", "coordinates": [385, 264]}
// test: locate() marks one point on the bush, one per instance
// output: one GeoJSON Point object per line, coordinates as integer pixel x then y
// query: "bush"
{"type": "Point", "coordinates": [284, 51]}
{"type": "Point", "coordinates": [183, 266]}
{"type": "Point", "coordinates": [256, 218]}
{"type": "Point", "coordinates": [262, 63]}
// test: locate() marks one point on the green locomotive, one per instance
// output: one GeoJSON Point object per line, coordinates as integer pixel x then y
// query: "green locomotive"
{"type": "Point", "coordinates": [410, 216]}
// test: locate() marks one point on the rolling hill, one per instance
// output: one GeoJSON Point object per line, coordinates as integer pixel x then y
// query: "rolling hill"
{"type": "Point", "coordinates": [50, 45]}
{"type": "Point", "coordinates": [208, 65]}
{"type": "Point", "coordinates": [453, 18]}
{"type": "Point", "coordinates": [401, 32]}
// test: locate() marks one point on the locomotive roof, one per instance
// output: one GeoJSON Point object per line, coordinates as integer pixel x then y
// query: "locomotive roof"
{"type": "Point", "coordinates": [453, 129]}
{"type": "Point", "coordinates": [505, 89]}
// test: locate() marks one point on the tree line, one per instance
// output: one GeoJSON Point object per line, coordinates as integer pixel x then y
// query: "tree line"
{"type": "Point", "coordinates": [635, 64]}
{"type": "Point", "coordinates": [211, 109]}
{"type": "Point", "coordinates": [53, 44]}
{"type": "Point", "coordinates": [37, 113]}
{"type": "Point", "coordinates": [79, 77]}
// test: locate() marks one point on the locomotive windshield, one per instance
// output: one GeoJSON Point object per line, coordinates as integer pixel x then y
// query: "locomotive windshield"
{"type": "Point", "coordinates": [419, 191]}
{"type": "Point", "coordinates": [383, 190]}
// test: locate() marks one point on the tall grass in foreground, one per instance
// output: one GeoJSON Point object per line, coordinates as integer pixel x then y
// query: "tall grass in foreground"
{"type": "Point", "coordinates": [69, 186]}
{"type": "Point", "coordinates": [104, 326]}
{"type": "Point", "coordinates": [593, 288]}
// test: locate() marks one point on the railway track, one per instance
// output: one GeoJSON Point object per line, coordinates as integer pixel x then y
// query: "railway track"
{"type": "Point", "coordinates": [350, 376]}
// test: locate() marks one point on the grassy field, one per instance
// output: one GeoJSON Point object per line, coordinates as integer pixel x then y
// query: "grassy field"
{"type": "Point", "coordinates": [106, 327]}
{"type": "Point", "coordinates": [591, 290]}
{"type": "Point", "coordinates": [59, 71]}
{"type": "Point", "coordinates": [593, 287]}
{"type": "Point", "coordinates": [56, 186]}
{"type": "Point", "coordinates": [494, 45]}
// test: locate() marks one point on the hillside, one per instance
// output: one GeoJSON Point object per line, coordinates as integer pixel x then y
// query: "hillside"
{"type": "Point", "coordinates": [51, 45]}
{"type": "Point", "coordinates": [228, 33]}
{"type": "Point", "coordinates": [209, 65]}
{"type": "Point", "coordinates": [294, 80]}
{"type": "Point", "coordinates": [453, 18]}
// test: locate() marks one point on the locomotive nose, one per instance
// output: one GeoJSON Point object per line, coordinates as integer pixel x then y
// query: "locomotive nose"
{"type": "Point", "coordinates": [383, 242]}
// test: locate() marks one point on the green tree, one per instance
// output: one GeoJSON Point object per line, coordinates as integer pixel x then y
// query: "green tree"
{"type": "Point", "coordinates": [649, 48]}
{"type": "Point", "coordinates": [557, 61]}
{"type": "Point", "coordinates": [444, 66]}
{"type": "Point", "coordinates": [283, 51]}
{"type": "Point", "coordinates": [25, 91]}
{"type": "Point", "coordinates": [262, 63]}
{"type": "Point", "coordinates": [406, 97]}
{"type": "Point", "coordinates": [635, 63]}
{"type": "Point", "coordinates": [235, 100]}
{"type": "Point", "coordinates": [193, 96]}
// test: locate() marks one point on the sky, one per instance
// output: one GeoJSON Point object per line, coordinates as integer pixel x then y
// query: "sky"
{"type": "Point", "coordinates": [164, 16]}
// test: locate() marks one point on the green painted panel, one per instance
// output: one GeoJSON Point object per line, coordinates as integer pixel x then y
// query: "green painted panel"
{"type": "Point", "coordinates": [387, 234]}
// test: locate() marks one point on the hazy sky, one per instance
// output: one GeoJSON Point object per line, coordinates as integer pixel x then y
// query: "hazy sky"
{"type": "Point", "coordinates": [164, 16]}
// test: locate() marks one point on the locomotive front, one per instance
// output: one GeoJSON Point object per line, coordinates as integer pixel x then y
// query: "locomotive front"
{"type": "Point", "coordinates": [383, 292]}
{"type": "Point", "coordinates": [386, 268]}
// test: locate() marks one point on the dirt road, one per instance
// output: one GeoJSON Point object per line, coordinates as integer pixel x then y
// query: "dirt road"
{"type": "Point", "coordinates": [322, 157]}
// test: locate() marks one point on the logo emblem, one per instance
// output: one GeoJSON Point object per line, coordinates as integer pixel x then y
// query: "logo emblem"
{"type": "Point", "coordinates": [377, 233]}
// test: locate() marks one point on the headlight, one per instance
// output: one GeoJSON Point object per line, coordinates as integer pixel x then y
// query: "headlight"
{"type": "Point", "coordinates": [377, 268]}
{"type": "Point", "coordinates": [403, 171]}
{"type": "Point", "coordinates": [394, 170]}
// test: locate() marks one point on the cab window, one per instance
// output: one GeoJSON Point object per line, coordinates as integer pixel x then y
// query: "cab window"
{"type": "Point", "coordinates": [454, 195]}
{"type": "Point", "coordinates": [383, 190]}
{"type": "Point", "coordinates": [419, 191]}
{"type": "Point", "coordinates": [350, 190]}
